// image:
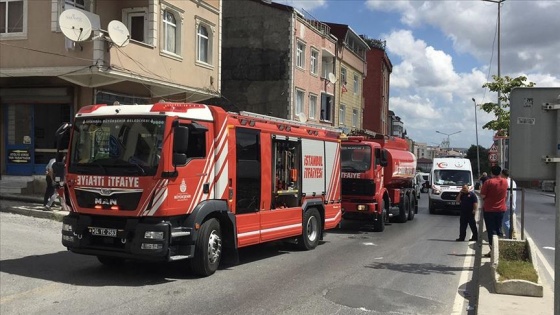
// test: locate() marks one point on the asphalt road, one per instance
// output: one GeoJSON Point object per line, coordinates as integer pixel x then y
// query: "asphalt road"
{"type": "Point", "coordinates": [411, 268]}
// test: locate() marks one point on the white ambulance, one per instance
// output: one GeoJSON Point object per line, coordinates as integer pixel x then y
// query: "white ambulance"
{"type": "Point", "coordinates": [447, 177]}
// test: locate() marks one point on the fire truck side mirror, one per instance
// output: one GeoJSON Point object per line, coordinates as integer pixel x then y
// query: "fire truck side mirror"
{"type": "Point", "coordinates": [180, 145]}
{"type": "Point", "coordinates": [63, 136]}
{"type": "Point", "coordinates": [180, 139]}
{"type": "Point", "coordinates": [179, 159]}
{"type": "Point", "coordinates": [383, 161]}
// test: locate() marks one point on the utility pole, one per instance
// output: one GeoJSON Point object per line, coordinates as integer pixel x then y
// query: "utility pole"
{"type": "Point", "coordinates": [476, 131]}
{"type": "Point", "coordinates": [499, 2]}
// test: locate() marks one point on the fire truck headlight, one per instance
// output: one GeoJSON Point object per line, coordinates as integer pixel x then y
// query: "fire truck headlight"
{"type": "Point", "coordinates": [151, 246]}
{"type": "Point", "coordinates": [68, 238]}
{"type": "Point", "coordinates": [67, 227]}
{"type": "Point", "coordinates": [362, 207]}
{"type": "Point", "coordinates": [153, 235]}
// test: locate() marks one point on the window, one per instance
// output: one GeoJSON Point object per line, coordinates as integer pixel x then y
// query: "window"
{"type": "Point", "coordinates": [326, 67]}
{"type": "Point", "coordinates": [300, 55]}
{"type": "Point", "coordinates": [300, 96]}
{"type": "Point", "coordinates": [204, 42]}
{"type": "Point", "coordinates": [170, 32]}
{"type": "Point", "coordinates": [356, 84]}
{"type": "Point", "coordinates": [314, 58]}
{"type": "Point", "coordinates": [13, 17]}
{"type": "Point", "coordinates": [341, 114]}
{"type": "Point", "coordinates": [326, 107]}
{"type": "Point", "coordinates": [75, 3]}
{"type": "Point", "coordinates": [136, 22]}
{"type": "Point", "coordinates": [343, 75]}
{"type": "Point", "coordinates": [355, 117]}
{"type": "Point", "coordinates": [312, 106]}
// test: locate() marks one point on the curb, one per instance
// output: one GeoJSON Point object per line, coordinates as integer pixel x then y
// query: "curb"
{"type": "Point", "coordinates": [52, 215]}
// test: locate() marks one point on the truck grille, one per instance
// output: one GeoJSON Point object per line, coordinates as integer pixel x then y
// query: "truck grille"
{"type": "Point", "coordinates": [125, 201]}
{"type": "Point", "coordinates": [358, 187]}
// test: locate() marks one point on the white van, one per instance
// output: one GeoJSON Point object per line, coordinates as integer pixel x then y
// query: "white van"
{"type": "Point", "coordinates": [447, 177]}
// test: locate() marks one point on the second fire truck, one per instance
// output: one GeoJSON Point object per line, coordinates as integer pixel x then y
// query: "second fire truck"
{"type": "Point", "coordinates": [377, 179]}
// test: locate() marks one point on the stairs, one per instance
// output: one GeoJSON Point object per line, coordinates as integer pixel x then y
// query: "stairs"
{"type": "Point", "coordinates": [22, 185]}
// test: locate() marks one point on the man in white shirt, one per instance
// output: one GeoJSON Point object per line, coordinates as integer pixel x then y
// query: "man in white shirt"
{"type": "Point", "coordinates": [50, 193]}
{"type": "Point", "coordinates": [511, 194]}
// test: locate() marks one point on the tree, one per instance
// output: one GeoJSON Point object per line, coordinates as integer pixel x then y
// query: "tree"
{"type": "Point", "coordinates": [484, 163]}
{"type": "Point", "coordinates": [503, 85]}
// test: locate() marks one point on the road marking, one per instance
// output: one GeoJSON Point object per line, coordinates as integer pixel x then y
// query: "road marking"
{"type": "Point", "coordinates": [459, 303]}
{"type": "Point", "coordinates": [369, 244]}
{"type": "Point", "coordinates": [35, 291]}
{"type": "Point", "coordinates": [545, 263]}
{"type": "Point", "coordinates": [548, 247]}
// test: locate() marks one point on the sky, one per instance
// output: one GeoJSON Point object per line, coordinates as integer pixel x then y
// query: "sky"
{"type": "Point", "coordinates": [443, 51]}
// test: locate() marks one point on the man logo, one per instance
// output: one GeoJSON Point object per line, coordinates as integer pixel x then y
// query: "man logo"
{"type": "Point", "coordinates": [105, 201]}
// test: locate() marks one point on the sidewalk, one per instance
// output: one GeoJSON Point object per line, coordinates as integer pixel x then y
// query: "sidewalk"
{"type": "Point", "coordinates": [488, 302]}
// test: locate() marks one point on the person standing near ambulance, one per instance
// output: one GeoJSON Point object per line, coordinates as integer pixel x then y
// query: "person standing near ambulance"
{"type": "Point", "coordinates": [494, 192]}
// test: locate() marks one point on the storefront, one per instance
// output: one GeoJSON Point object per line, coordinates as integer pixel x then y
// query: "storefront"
{"type": "Point", "coordinates": [30, 118]}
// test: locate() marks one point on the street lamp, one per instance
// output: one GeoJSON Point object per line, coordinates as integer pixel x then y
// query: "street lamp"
{"type": "Point", "coordinates": [476, 131]}
{"type": "Point", "coordinates": [448, 135]}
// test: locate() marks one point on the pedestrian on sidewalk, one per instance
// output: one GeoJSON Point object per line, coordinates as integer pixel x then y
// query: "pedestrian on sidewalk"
{"type": "Point", "coordinates": [493, 192]}
{"type": "Point", "coordinates": [50, 193]}
{"type": "Point", "coordinates": [469, 204]}
{"type": "Point", "coordinates": [511, 196]}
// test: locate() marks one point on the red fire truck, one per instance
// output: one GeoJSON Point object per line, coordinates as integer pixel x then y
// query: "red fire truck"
{"type": "Point", "coordinates": [174, 181]}
{"type": "Point", "coordinates": [377, 179]}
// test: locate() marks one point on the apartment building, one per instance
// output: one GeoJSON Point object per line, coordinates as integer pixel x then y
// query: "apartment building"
{"type": "Point", "coordinates": [351, 67]}
{"type": "Point", "coordinates": [172, 53]}
{"type": "Point", "coordinates": [376, 87]}
{"type": "Point", "coordinates": [277, 62]}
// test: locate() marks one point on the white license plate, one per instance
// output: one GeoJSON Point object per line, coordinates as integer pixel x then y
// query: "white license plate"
{"type": "Point", "coordinates": [454, 203]}
{"type": "Point", "coordinates": [102, 231]}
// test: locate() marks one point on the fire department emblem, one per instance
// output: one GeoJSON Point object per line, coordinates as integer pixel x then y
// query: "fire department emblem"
{"type": "Point", "coordinates": [183, 186]}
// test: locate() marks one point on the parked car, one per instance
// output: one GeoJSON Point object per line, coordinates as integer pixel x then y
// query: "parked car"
{"type": "Point", "coordinates": [422, 183]}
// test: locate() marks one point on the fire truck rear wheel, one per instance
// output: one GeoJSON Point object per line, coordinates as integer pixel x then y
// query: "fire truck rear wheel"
{"type": "Point", "coordinates": [404, 209]}
{"type": "Point", "coordinates": [311, 230]}
{"type": "Point", "coordinates": [208, 249]}
{"type": "Point", "coordinates": [413, 207]}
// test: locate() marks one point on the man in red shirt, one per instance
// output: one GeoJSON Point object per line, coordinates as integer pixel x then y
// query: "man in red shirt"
{"type": "Point", "coordinates": [494, 192]}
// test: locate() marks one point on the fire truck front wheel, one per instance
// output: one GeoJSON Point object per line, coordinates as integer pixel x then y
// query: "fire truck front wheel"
{"type": "Point", "coordinates": [208, 249]}
{"type": "Point", "coordinates": [311, 230]}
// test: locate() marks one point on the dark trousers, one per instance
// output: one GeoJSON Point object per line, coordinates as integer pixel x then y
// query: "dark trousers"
{"type": "Point", "coordinates": [493, 221]}
{"type": "Point", "coordinates": [50, 190]}
{"type": "Point", "coordinates": [467, 218]}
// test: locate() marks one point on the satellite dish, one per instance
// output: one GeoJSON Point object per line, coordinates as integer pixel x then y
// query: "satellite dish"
{"type": "Point", "coordinates": [332, 78]}
{"type": "Point", "coordinates": [75, 25]}
{"type": "Point", "coordinates": [118, 33]}
{"type": "Point", "coordinates": [302, 117]}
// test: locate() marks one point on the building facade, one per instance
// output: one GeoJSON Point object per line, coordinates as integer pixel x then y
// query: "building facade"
{"type": "Point", "coordinates": [172, 53]}
{"type": "Point", "coordinates": [376, 87]}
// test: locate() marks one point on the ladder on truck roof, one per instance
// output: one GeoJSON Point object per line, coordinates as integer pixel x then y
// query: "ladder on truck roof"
{"type": "Point", "coordinates": [287, 121]}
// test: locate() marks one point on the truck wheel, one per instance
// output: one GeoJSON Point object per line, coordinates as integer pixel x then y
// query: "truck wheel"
{"type": "Point", "coordinates": [110, 261]}
{"type": "Point", "coordinates": [431, 207]}
{"type": "Point", "coordinates": [413, 206]}
{"type": "Point", "coordinates": [208, 249]}
{"type": "Point", "coordinates": [404, 208]}
{"type": "Point", "coordinates": [379, 224]}
{"type": "Point", "coordinates": [309, 238]}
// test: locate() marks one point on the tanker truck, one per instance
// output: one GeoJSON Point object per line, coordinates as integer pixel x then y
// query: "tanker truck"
{"type": "Point", "coordinates": [377, 173]}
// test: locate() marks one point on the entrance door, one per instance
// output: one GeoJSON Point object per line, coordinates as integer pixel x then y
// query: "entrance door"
{"type": "Point", "coordinates": [30, 136]}
{"type": "Point", "coordinates": [19, 139]}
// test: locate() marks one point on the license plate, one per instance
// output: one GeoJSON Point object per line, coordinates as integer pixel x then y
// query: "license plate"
{"type": "Point", "coordinates": [454, 203]}
{"type": "Point", "coordinates": [98, 231]}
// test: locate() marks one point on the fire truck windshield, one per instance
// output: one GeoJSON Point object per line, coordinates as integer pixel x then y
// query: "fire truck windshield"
{"type": "Point", "coordinates": [116, 146]}
{"type": "Point", "coordinates": [355, 158]}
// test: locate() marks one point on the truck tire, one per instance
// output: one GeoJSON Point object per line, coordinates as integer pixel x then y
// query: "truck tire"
{"type": "Point", "coordinates": [208, 249]}
{"type": "Point", "coordinates": [404, 209]}
{"type": "Point", "coordinates": [309, 238]}
{"type": "Point", "coordinates": [379, 224]}
{"type": "Point", "coordinates": [431, 207]}
{"type": "Point", "coordinates": [110, 261]}
{"type": "Point", "coordinates": [413, 206]}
